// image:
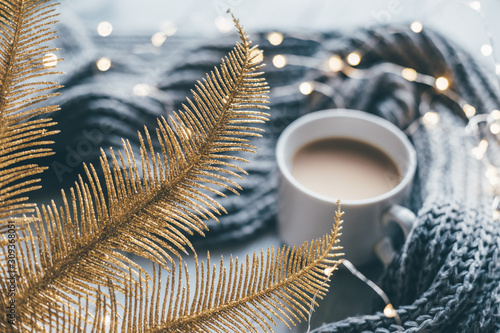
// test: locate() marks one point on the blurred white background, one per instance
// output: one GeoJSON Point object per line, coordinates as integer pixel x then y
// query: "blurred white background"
{"type": "Point", "coordinates": [472, 24]}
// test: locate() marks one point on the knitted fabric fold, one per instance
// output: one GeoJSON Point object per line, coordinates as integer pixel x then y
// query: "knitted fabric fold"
{"type": "Point", "coordinates": [446, 277]}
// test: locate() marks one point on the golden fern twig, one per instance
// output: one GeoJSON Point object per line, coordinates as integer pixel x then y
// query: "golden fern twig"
{"type": "Point", "coordinates": [146, 215]}
{"type": "Point", "coordinates": [245, 297]}
{"type": "Point", "coordinates": [24, 30]}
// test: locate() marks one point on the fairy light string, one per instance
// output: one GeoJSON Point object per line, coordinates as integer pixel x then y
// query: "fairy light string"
{"type": "Point", "coordinates": [388, 310]}
{"type": "Point", "coordinates": [441, 86]}
{"type": "Point", "coordinates": [484, 127]}
{"type": "Point", "coordinates": [348, 64]}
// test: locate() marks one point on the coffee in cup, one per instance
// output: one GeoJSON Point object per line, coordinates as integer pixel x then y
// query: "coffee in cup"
{"type": "Point", "coordinates": [339, 167]}
{"type": "Point", "coordinates": [353, 156]}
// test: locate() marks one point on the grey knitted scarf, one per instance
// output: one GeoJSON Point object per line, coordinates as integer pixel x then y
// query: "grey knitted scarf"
{"type": "Point", "coordinates": [446, 277]}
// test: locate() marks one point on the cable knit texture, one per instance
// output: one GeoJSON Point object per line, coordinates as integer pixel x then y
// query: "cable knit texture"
{"type": "Point", "coordinates": [446, 278]}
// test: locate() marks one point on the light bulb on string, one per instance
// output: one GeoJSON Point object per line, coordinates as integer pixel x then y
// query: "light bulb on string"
{"type": "Point", "coordinates": [389, 311]}
{"type": "Point", "coordinates": [442, 83]}
{"type": "Point", "coordinates": [49, 60]}
{"type": "Point", "coordinates": [476, 5]}
{"type": "Point", "coordinates": [223, 24]}
{"type": "Point", "coordinates": [495, 114]}
{"type": "Point", "coordinates": [353, 58]}
{"type": "Point", "coordinates": [275, 38]}
{"type": "Point", "coordinates": [256, 55]}
{"type": "Point", "coordinates": [491, 171]}
{"type": "Point", "coordinates": [469, 110]}
{"type": "Point", "coordinates": [306, 88]}
{"type": "Point", "coordinates": [430, 119]}
{"type": "Point", "coordinates": [279, 61]}
{"type": "Point", "coordinates": [329, 270]}
{"type": "Point", "coordinates": [107, 321]}
{"type": "Point", "coordinates": [158, 39]}
{"type": "Point", "coordinates": [480, 150]}
{"type": "Point", "coordinates": [103, 64]}
{"type": "Point", "coordinates": [409, 74]}
{"type": "Point", "coordinates": [141, 89]}
{"type": "Point", "coordinates": [335, 63]}
{"type": "Point", "coordinates": [416, 27]}
{"type": "Point", "coordinates": [492, 175]}
{"type": "Point", "coordinates": [486, 50]}
{"type": "Point", "coordinates": [104, 29]}
{"type": "Point", "coordinates": [495, 128]}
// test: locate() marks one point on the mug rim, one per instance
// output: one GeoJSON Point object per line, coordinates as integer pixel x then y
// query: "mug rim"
{"type": "Point", "coordinates": [351, 114]}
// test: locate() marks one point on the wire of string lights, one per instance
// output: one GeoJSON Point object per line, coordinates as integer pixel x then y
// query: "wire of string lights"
{"type": "Point", "coordinates": [348, 66]}
{"type": "Point", "coordinates": [485, 127]}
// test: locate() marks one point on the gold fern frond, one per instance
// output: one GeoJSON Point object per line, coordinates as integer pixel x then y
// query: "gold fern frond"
{"type": "Point", "coordinates": [146, 215]}
{"type": "Point", "coordinates": [246, 297]}
{"type": "Point", "coordinates": [25, 60]}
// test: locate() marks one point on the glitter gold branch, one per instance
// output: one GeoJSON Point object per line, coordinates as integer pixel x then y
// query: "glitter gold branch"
{"type": "Point", "coordinates": [25, 60]}
{"type": "Point", "coordinates": [69, 268]}
{"type": "Point", "coordinates": [245, 297]}
{"type": "Point", "coordinates": [71, 252]}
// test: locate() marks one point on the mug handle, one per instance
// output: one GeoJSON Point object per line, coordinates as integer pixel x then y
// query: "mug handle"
{"type": "Point", "coordinates": [405, 219]}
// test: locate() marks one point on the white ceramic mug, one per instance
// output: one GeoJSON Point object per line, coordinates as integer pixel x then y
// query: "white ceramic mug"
{"type": "Point", "coordinates": [305, 215]}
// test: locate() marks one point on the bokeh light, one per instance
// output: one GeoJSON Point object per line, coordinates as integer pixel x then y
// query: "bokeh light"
{"type": "Point", "coordinates": [49, 60]}
{"type": "Point", "coordinates": [223, 24]}
{"type": "Point", "coordinates": [103, 64]}
{"type": "Point", "coordinates": [354, 58]}
{"type": "Point", "coordinates": [469, 110]}
{"type": "Point", "coordinates": [104, 29]}
{"type": "Point", "coordinates": [306, 88]}
{"type": "Point", "coordinates": [442, 83]}
{"type": "Point", "coordinates": [335, 63]}
{"type": "Point", "coordinates": [275, 38]}
{"type": "Point", "coordinates": [409, 74]}
{"type": "Point", "coordinates": [430, 119]}
{"type": "Point", "coordinates": [416, 27]}
{"type": "Point", "coordinates": [279, 61]}
{"type": "Point", "coordinates": [158, 39]}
